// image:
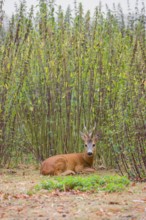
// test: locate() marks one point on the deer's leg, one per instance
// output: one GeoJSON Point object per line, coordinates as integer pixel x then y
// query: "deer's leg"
{"type": "Point", "coordinates": [61, 168]}
{"type": "Point", "coordinates": [87, 170]}
{"type": "Point", "coordinates": [79, 168]}
{"type": "Point", "coordinates": [68, 172]}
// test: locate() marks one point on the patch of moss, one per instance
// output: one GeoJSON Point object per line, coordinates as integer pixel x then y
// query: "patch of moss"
{"type": "Point", "coordinates": [91, 183]}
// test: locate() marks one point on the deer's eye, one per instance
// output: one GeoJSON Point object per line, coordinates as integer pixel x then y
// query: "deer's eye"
{"type": "Point", "coordinates": [93, 145]}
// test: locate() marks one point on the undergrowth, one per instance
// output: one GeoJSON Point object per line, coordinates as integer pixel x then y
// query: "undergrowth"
{"type": "Point", "coordinates": [91, 183]}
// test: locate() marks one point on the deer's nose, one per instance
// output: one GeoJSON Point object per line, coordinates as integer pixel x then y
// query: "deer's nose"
{"type": "Point", "coordinates": [90, 153]}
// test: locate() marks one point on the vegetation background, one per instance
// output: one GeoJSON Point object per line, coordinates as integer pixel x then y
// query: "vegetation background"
{"type": "Point", "coordinates": [60, 70]}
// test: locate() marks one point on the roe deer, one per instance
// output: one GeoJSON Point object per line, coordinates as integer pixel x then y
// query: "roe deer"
{"type": "Point", "coordinates": [65, 164]}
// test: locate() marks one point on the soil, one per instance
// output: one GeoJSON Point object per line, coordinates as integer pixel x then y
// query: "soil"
{"type": "Point", "coordinates": [16, 204]}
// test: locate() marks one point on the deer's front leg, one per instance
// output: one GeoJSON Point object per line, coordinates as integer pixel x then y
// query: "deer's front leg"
{"type": "Point", "coordinates": [88, 170]}
{"type": "Point", "coordinates": [68, 172]}
{"type": "Point", "coordinates": [81, 169]}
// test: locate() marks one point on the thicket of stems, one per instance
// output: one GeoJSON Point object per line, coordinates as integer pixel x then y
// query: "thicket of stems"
{"type": "Point", "coordinates": [61, 70]}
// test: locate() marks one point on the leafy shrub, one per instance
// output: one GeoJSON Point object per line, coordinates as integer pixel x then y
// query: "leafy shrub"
{"type": "Point", "coordinates": [89, 183]}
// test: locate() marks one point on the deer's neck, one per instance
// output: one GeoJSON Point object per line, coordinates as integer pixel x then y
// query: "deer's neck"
{"type": "Point", "coordinates": [89, 160]}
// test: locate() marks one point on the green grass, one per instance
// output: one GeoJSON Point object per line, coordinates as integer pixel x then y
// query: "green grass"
{"type": "Point", "coordinates": [91, 183]}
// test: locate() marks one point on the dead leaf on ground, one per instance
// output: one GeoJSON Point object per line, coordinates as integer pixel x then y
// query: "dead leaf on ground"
{"type": "Point", "coordinates": [114, 210]}
{"type": "Point", "coordinates": [113, 203]}
{"type": "Point", "coordinates": [40, 215]}
{"type": "Point", "coordinates": [144, 199]}
{"type": "Point", "coordinates": [133, 184]}
{"type": "Point", "coordinates": [21, 196]}
{"type": "Point", "coordinates": [99, 213]}
{"type": "Point", "coordinates": [2, 215]}
{"type": "Point", "coordinates": [138, 201]}
{"type": "Point", "coordinates": [20, 209]}
{"type": "Point", "coordinates": [60, 210]}
{"type": "Point", "coordinates": [139, 208]}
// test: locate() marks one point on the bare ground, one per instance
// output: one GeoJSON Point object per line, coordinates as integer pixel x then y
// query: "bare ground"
{"type": "Point", "coordinates": [16, 204]}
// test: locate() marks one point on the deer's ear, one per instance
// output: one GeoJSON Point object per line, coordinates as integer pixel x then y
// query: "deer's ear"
{"type": "Point", "coordinates": [83, 136]}
{"type": "Point", "coordinates": [96, 137]}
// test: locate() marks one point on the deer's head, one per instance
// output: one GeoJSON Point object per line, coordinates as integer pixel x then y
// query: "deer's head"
{"type": "Point", "coordinates": [90, 141]}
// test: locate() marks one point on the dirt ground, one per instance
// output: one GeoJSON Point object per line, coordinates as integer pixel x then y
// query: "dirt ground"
{"type": "Point", "coordinates": [16, 204]}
